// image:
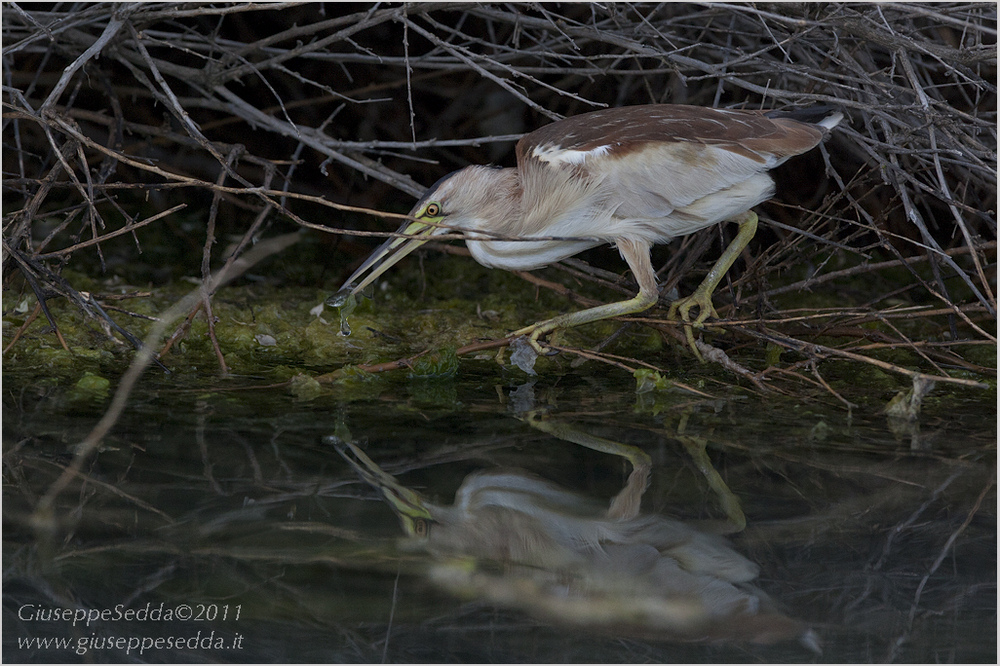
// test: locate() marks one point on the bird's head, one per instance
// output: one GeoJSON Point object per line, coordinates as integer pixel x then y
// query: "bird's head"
{"type": "Point", "coordinates": [413, 510]}
{"type": "Point", "coordinates": [470, 199]}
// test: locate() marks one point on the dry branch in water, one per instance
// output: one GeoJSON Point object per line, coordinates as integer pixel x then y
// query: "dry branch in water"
{"type": "Point", "coordinates": [255, 116]}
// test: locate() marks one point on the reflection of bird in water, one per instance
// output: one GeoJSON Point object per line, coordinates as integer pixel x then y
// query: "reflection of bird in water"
{"type": "Point", "coordinates": [632, 176]}
{"type": "Point", "coordinates": [523, 542]}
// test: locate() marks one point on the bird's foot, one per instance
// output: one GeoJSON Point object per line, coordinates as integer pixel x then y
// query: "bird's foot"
{"type": "Point", "coordinates": [681, 308]}
{"type": "Point", "coordinates": [680, 311]}
{"type": "Point", "coordinates": [533, 333]}
{"type": "Point", "coordinates": [525, 346]}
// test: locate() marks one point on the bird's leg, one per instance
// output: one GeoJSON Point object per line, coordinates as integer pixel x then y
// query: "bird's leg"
{"type": "Point", "coordinates": [636, 253]}
{"type": "Point", "coordinates": [626, 504]}
{"type": "Point", "coordinates": [702, 297]}
{"type": "Point", "coordinates": [695, 446]}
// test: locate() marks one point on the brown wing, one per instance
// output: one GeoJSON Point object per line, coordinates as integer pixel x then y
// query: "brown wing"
{"type": "Point", "coordinates": [646, 162]}
{"type": "Point", "coordinates": [634, 128]}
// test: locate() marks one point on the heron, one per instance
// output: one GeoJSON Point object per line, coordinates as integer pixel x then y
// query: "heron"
{"type": "Point", "coordinates": [523, 542]}
{"type": "Point", "coordinates": [631, 177]}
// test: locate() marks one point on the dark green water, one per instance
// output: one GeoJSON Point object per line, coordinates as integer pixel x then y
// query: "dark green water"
{"type": "Point", "coordinates": [230, 505]}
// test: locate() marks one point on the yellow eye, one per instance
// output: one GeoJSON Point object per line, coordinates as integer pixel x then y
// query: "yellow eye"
{"type": "Point", "coordinates": [433, 210]}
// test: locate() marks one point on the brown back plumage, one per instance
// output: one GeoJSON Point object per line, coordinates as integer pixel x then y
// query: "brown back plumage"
{"type": "Point", "coordinates": [627, 129]}
{"type": "Point", "coordinates": [672, 169]}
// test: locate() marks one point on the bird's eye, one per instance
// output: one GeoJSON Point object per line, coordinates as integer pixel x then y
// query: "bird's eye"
{"type": "Point", "coordinates": [433, 209]}
{"type": "Point", "coordinates": [420, 528]}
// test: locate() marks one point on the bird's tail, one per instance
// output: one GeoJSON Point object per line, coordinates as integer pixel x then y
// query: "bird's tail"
{"type": "Point", "coordinates": [826, 117]}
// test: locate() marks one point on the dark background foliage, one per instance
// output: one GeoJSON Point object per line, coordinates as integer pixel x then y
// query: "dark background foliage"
{"type": "Point", "coordinates": [116, 113]}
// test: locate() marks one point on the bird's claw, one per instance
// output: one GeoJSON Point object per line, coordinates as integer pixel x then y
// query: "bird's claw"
{"type": "Point", "coordinates": [531, 334]}
{"type": "Point", "coordinates": [682, 307]}
{"type": "Point", "coordinates": [680, 311]}
{"type": "Point", "coordinates": [533, 342]}
{"type": "Point", "coordinates": [540, 349]}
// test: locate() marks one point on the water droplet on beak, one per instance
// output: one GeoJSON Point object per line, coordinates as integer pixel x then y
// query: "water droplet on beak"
{"type": "Point", "coordinates": [346, 301]}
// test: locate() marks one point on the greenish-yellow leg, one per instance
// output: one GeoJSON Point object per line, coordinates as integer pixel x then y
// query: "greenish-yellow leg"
{"type": "Point", "coordinates": [637, 255]}
{"type": "Point", "coordinates": [702, 297]}
{"type": "Point", "coordinates": [730, 503]}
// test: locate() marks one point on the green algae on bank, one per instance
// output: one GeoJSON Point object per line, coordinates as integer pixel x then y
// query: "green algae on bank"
{"type": "Point", "coordinates": [273, 332]}
{"type": "Point", "coordinates": [89, 389]}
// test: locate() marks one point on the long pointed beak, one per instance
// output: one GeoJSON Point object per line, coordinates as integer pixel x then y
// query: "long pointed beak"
{"type": "Point", "coordinates": [408, 504]}
{"type": "Point", "coordinates": [386, 256]}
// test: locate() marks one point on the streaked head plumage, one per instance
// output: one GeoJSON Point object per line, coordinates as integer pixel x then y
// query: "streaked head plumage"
{"type": "Point", "coordinates": [468, 198]}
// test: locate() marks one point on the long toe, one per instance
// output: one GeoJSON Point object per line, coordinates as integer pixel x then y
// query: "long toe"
{"type": "Point", "coordinates": [680, 310]}
{"type": "Point", "coordinates": [532, 334]}
{"type": "Point", "coordinates": [537, 346]}
{"type": "Point", "coordinates": [689, 333]}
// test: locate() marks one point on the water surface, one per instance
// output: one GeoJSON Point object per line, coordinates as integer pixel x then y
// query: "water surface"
{"type": "Point", "coordinates": [227, 513]}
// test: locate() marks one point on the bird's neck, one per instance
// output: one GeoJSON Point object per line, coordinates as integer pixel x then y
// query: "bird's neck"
{"type": "Point", "coordinates": [498, 205]}
{"type": "Point", "coordinates": [496, 196]}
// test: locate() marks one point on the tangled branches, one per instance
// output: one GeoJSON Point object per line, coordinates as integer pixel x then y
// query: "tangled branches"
{"type": "Point", "coordinates": [116, 116]}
